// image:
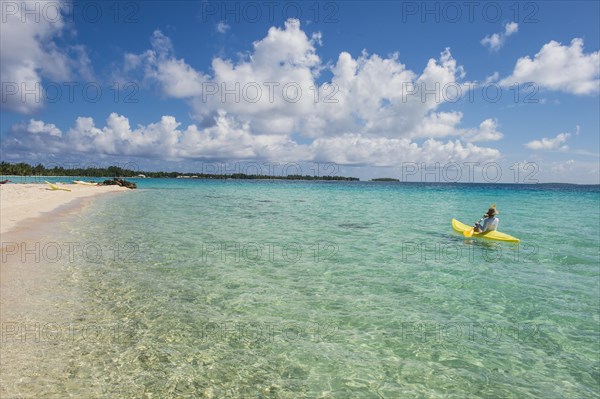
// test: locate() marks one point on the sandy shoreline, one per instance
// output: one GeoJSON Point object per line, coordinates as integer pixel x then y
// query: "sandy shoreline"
{"type": "Point", "coordinates": [35, 292]}
{"type": "Point", "coordinates": [20, 202]}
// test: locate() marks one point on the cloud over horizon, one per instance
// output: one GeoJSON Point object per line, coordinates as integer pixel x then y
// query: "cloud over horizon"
{"type": "Point", "coordinates": [229, 140]}
{"type": "Point", "coordinates": [270, 105]}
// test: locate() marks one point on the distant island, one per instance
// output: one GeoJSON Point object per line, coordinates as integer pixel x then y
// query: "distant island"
{"type": "Point", "coordinates": [385, 179]}
{"type": "Point", "coordinates": [24, 169]}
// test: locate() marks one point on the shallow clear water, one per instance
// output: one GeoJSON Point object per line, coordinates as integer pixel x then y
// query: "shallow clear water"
{"type": "Point", "coordinates": [282, 289]}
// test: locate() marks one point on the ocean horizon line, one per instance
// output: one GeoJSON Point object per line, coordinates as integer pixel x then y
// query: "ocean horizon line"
{"type": "Point", "coordinates": [333, 179]}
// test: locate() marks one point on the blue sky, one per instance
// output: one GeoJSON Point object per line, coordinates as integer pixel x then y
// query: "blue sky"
{"type": "Point", "coordinates": [146, 81]}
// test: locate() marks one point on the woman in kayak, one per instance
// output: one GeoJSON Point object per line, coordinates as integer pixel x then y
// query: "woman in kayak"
{"type": "Point", "coordinates": [490, 221]}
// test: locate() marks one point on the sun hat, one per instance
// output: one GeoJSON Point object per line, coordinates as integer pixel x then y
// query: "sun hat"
{"type": "Point", "coordinates": [492, 211]}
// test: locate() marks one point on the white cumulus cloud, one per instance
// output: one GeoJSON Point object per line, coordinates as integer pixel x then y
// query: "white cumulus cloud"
{"type": "Point", "coordinates": [510, 28]}
{"type": "Point", "coordinates": [40, 127]}
{"type": "Point", "coordinates": [275, 88]}
{"type": "Point", "coordinates": [556, 143]}
{"type": "Point", "coordinates": [272, 103]}
{"type": "Point", "coordinates": [228, 139]}
{"type": "Point", "coordinates": [354, 149]}
{"type": "Point", "coordinates": [486, 132]}
{"type": "Point", "coordinates": [557, 67]}
{"type": "Point", "coordinates": [495, 41]}
{"type": "Point", "coordinates": [223, 27]}
{"type": "Point", "coordinates": [28, 38]}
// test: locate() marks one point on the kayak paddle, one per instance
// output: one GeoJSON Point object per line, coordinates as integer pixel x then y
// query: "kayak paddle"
{"type": "Point", "coordinates": [469, 233]}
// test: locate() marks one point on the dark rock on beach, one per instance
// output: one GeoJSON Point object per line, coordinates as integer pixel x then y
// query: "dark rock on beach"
{"type": "Point", "coordinates": [118, 182]}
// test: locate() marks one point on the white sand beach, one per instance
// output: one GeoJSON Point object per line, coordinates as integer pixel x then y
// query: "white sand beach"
{"type": "Point", "coordinates": [19, 202]}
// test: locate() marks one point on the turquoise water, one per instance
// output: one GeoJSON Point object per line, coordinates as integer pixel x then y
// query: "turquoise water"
{"type": "Point", "coordinates": [283, 289]}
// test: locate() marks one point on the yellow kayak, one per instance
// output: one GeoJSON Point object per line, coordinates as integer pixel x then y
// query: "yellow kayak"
{"type": "Point", "coordinates": [55, 187]}
{"type": "Point", "coordinates": [490, 235]}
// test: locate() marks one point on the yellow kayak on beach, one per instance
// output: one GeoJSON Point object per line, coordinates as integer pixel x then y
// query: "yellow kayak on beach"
{"type": "Point", "coordinates": [490, 235]}
{"type": "Point", "coordinates": [55, 187]}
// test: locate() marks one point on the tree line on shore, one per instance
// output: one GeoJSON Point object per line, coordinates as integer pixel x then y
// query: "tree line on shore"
{"type": "Point", "coordinates": [24, 169]}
